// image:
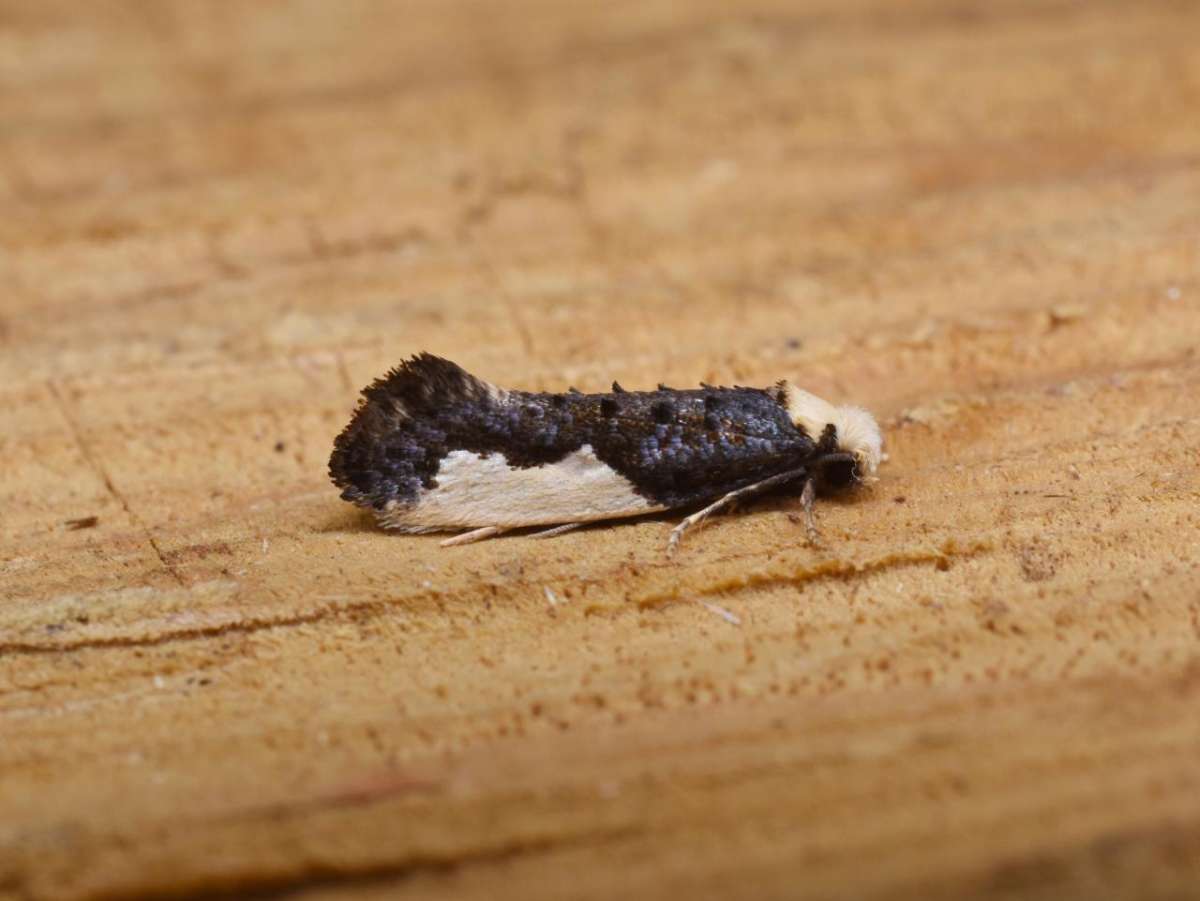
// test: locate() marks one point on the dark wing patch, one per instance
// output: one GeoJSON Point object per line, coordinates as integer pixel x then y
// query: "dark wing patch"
{"type": "Point", "coordinates": [663, 411]}
{"type": "Point", "coordinates": [680, 448]}
{"type": "Point", "coordinates": [393, 443]}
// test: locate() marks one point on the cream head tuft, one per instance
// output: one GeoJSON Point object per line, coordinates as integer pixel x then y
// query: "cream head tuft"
{"type": "Point", "coordinates": [857, 432]}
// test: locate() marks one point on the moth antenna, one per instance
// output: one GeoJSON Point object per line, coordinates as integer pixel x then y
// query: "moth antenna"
{"type": "Point", "coordinates": [617, 389]}
{"type": "Point", "coordinates": [573, 390]}
{"type": "Point", "coordinates": [662, 387]}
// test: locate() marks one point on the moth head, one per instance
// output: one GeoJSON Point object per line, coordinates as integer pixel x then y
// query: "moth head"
{"type": "Point", "coordinates": [854, 430]}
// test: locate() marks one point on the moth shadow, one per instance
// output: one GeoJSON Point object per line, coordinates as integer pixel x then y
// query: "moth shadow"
{"type": "Point", "coordinates": [848, 497]}
{"type": "Point", "coordinates": [349, 521]}
{"type": "Point", "coordinates": [788, 501]}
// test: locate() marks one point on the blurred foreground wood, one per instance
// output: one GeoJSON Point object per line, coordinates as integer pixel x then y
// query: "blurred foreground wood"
{"type": "Point", "coordinates": [220, 220]}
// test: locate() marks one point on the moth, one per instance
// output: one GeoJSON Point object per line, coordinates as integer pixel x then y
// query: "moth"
{"type": "Point", "coordinates": [433, 448]}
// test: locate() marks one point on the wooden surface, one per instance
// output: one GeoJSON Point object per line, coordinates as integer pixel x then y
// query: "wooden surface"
{"type": "Point", "coordinates": [220, 220]}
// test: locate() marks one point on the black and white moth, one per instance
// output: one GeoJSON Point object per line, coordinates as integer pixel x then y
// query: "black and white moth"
{"type": "Point", "coordinates": [433, 448]}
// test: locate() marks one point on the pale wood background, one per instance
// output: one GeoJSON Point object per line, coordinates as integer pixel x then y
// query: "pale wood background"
{"type": "Point", "coordinates": [221, 219]}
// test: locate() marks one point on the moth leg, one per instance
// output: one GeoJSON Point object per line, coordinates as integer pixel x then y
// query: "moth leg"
{"type": "Point", "coordinates": [473, 536]}
{"type": "Point", "coordinates": [694, 520]}
{"type": "Point", "coordinates": [807, 497]}
{"type": "Point", "coordinates": [727, 500]}
{"type": "Point", "coordinates": [555, 531]}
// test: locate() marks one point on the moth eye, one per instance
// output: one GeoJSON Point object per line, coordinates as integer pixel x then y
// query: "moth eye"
{"type": "Point", "coordinates": [608, 408]}
{"type": "Point", "coordinates": [533, 411]}
{"type": "Point", "coordinates": [711, 401]}
{"type": "Point", "coordinates": [839, 474]}
{"type": "Point", "coordinates": [663, 411]}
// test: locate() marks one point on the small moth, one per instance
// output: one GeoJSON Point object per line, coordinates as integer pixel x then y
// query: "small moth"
{"type": "Point", "coordinates": [432, 448]}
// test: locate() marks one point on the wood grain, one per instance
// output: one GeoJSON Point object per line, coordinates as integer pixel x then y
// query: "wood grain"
{"type": "Point", "coordinates": [979, 220]}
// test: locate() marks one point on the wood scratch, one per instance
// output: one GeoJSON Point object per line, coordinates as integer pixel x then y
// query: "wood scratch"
{"type": "Point", "coordinates": [829, 569]}
{"type": "Point", "coordinates": [514, 310]}
{"type": "Point", "coordinates": [97, 466]}
{"type": "Point", "coordinates": [728, 615]}
{"type": "Point", "coordinates": [344, 371]}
